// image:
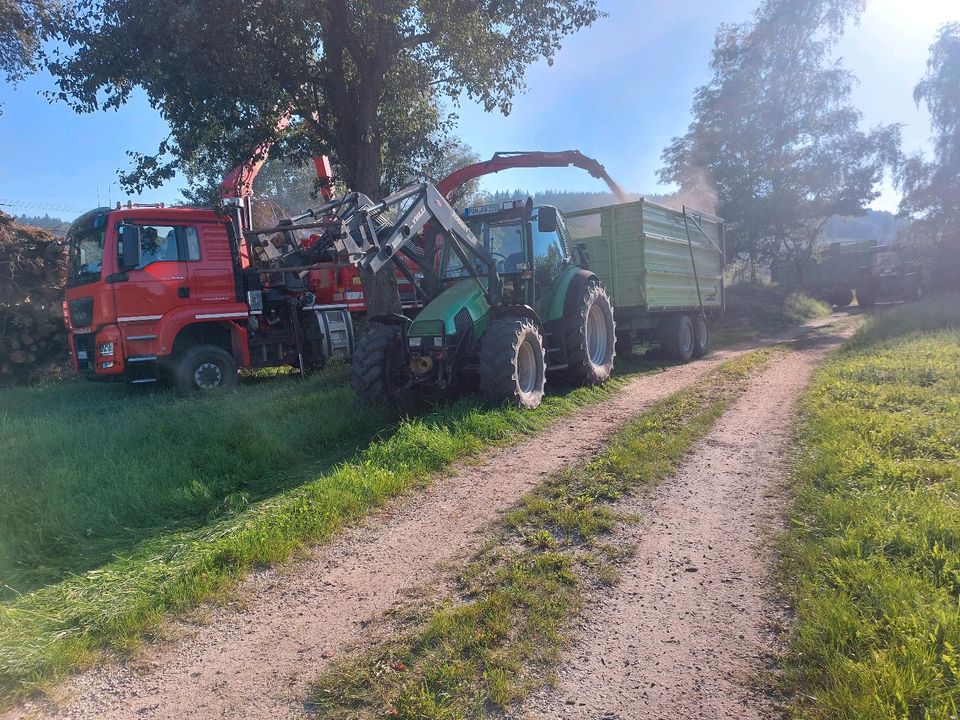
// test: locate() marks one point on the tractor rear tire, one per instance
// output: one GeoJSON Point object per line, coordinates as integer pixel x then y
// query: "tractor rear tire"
{"type": "Point", "coordinates": [513, 363]}
{"type": "Point", "coordinates": [590, 336]}
{"type": "Point", "coordinates": [701, 336]}
{"type": "Point", "coordinates": [378, 372]}
{"type": "Point", "coordinates": [677, 338]}
{"type": "Point", "coordinates": [205, 369]}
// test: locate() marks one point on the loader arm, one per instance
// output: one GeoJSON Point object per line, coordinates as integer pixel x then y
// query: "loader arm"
{"type": "Point", "coordinates": [507, 160]}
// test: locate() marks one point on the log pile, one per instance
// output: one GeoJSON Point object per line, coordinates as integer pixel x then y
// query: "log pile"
{"type": "Point", "coordinates": [33, 341]}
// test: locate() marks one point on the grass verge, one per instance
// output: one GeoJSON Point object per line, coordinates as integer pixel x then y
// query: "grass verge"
{"type": "Point", "coordinates": [120, 506]}
{"type": "Point", "coordinates": [497, 640]}
{"type": "Point", "coordinates": [872, 561]}
{"type": "Point", "coordinates": [755, 310]}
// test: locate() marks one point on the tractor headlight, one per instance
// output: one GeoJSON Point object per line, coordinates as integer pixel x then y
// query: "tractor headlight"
{"type": "Point", "coordinates": [438, 342]}
{"type": "Point", "coordinates": [415, 341]}
{"type": "Point", "coordinates": [105, 349]}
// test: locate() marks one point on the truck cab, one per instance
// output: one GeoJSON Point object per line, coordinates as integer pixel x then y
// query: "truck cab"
{"type": "Point", "coordinates": [170, 294]}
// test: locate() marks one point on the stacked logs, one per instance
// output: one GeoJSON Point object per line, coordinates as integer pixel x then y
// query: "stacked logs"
{"type": "Point", "coordinates": [33, 341]}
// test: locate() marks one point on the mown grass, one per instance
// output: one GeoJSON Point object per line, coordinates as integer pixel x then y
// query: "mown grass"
{"type": "Point", "coordinates": [117, 507]}
{"type": "Point", "coordinates": [498, 639]}
{"type": "Point", "coordinates": [872, 562]}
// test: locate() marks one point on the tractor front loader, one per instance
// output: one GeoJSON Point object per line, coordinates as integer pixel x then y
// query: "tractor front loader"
{"type": "Point", "coordinates": [507, 299]}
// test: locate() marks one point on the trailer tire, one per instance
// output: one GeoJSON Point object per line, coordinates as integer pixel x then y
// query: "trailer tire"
{"type": "Point", "coordinates": [377, 367]}
{"type": "Point", "coordinates": [677, 338]}
{"type": "Point", "coordinates": [513, 363]}
{"type": "Point", "coordinates": [701, 336]}
{"type": "Point", "coordinates": [590, 336]}
{"type": "Point", "coordinates": [865, 297]}
{"type": "Point", "coordinates": [205, 369]}
{"type": "Point", "coordinates": [843, 298]}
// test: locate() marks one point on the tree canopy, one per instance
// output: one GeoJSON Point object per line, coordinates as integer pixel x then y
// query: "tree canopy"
{"type": "Point", "coordinates": [775, 137]}
{"type": "Point", "coordinates": [932, 188]}
{"type": "Point", "coordinates": [20, 27]}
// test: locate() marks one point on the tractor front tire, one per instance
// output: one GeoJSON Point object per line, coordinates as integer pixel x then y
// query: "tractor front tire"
{"type": "Point", "coordinates": [590, 337]}
{"type": "Point", "coordinates": [205, 369]}
{"type": "Point", "coordinates": [701, 336]}
{"type": "Point", "coordinates": [513, 363]}
{"type": "Point", "coordinates": [677, 338]}
{"type": "Point", "coordinates": [378, 371]}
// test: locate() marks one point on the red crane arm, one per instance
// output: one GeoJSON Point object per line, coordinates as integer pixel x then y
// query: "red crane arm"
{"type": "Point", "coordinates": [506, 160]}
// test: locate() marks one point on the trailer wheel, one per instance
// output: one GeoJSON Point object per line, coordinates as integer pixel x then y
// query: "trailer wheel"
{"type": "Point", "coordinates": [378, 368]}
{"type": "Point", "coordinates": [206, 369]}
{"type": "Point", "coordinates": [677, 337]}
{"type": "Point", "coordinates": [590, 336]}
{"type": "Point", "coordinates": [865, 297]}
{"type": "Point", "coordinates": [843, 298]}
{"type": "Point", "coordinates": [513, 363]}
{"type": "Point", "coordinates": [701, 336]}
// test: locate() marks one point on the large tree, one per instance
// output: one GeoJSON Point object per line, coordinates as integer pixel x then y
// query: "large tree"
{"type": "Point", "coordinates": [774, 136]}
{"type": "Point", "coordinates": [20, 26]}
{"type": "Point", "coordinates": [932, 189]}
{"type": "Point", "coordinates": [365, 77]}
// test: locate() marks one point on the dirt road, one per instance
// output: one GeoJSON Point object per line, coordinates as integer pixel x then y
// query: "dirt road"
{"type": "Point", "coordinates": [689, 626]}
{"type": "Point", "coordinates": [257, 661]}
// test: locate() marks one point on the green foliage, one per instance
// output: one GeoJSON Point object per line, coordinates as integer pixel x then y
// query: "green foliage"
{"type": "Point", "coordinates": [19, 30]}
{"type": "Point", "coordinates": [771, 306]}
{"type": "Point", "coordinates": [932, 189]}
{"type": "Point", "coordinates": [774, 134]}
{"type": "Point", "coordinates": [364, 79]}
{"type": "Point", "coordinates": [499, 638]}
{"type": "Point", "coordinates": [873, 558]}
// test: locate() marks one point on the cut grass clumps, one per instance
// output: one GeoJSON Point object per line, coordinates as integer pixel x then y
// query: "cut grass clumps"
{"type": "Point", "coordinates": [119, 507]}
{"type": "Point", "coordinates": [496, 641]}
{"type": "Point", "coordinates": [872, 563]}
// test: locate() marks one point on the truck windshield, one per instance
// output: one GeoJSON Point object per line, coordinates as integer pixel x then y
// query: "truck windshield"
{"type": "Point", "coordinates": [86, 256]}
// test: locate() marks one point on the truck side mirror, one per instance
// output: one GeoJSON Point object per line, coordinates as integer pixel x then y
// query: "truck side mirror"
{"type": "Point", "coordinates": [547, 220]}
{"type": "Point", "coordinates": [129, 247]}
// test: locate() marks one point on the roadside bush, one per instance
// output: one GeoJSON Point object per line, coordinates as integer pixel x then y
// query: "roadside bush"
{"type": "Point", "coordinates": [754, 304]}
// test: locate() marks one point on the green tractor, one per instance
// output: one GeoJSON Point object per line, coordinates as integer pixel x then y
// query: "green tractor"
{"type": "Point", "coordinates": [506, 298]}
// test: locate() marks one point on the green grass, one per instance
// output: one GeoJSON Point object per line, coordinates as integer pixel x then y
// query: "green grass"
{"type": "Point", "coordinates": [498, 639]}
{"type": "Point", "coordinates": [872, 562]}
{"type": "Point", "coordinates": [754, 310]}
{"type": "Point", "coordinates": [119, 506]}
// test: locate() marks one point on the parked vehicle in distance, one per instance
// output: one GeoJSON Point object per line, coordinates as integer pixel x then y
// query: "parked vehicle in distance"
{"type": "Point", "coordinates": [889, 274]}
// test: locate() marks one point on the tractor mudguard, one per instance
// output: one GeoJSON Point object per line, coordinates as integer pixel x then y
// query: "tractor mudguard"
{"type": "Point", "coordinates": [524, 311]}
{"type": "Point", "coordinates": [555, 302]}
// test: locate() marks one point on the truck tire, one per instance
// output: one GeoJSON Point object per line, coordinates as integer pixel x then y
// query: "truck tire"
{"type": "Point", "coordinates": [677, 338]}
{"type": "Point", "coordinates": [513, 363]}
{"type": "Point", "coordinates": [206, 369]}
{"type": "Point", "coordinates": [865, 297]}
{"type": "Point", "coordinates": [378, 372]}
{"type": "Point", "coordinates": [701, 336]}
{"type": "Point", "coordinates": [590, 336]}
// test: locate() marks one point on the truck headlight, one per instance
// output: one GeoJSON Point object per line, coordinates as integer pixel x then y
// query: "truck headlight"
{"type": "Point", "coordinates": [105, 349]}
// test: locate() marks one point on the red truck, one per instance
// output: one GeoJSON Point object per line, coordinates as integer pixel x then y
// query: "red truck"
{"type": "Point", "coordinates": [179, 295]}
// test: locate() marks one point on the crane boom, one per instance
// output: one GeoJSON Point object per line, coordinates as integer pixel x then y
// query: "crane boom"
{"type": "Point", "coordinates": [507, 160]}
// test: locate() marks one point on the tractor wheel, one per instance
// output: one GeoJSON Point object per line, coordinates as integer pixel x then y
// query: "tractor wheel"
{"type": "Point", "coordinates": [677, 338]}
{"type": "Point", "coordinates": [701, 336]}
{"type": "Point", "coordinates": [206, 369]}
{"type": "Point", "coordinates": [513, 363]}
{"type": "Point", "coordinates": [378, 371]}
{"type": "Point", "coordinates": [865, 297]}
{"type": "Point", "coordinates": [843, 298]}
{"type": "Point", "coordinates": [590, 337]}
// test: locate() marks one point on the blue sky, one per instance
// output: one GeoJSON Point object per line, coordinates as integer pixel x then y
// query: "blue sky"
{"type": "Point", "coordinates": [618, 91]}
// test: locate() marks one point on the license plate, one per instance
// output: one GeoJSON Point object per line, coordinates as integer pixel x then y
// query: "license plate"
{"type": "Point", "coordinates": [81, 354]}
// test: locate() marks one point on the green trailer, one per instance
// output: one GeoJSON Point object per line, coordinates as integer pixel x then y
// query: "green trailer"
{"type": "Point", "coordinates": [662, 267]}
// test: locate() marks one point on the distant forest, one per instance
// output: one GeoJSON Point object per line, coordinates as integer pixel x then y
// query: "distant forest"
{"type": "Point", "coordinates": [54, 224]}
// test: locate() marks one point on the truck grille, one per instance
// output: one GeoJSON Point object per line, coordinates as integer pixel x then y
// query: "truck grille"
{"type": "Point", "coordinates": [83, 347]}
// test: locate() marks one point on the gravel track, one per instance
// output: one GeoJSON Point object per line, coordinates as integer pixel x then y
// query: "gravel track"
{"type": "Point", "coordinates": [692, 623]}
{"type": "Point", "coordinates": [255, 658]}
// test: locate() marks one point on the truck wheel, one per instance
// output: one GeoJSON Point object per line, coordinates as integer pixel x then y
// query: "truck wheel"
{"type": "Point", "coordinates": [513, 363]}
{"type": "Point", "coordinates": [701, 336]}
{"type": "Point", "coordinates": [205, 368]}
{"type": "Point", "coordinates": [865, 298]}
{"type": "Point", "coordinates": [677, 337]}
{"type": "Point", "coordinates": [378, 371]}
{"type": "Point", "coordinates": [590, 337]}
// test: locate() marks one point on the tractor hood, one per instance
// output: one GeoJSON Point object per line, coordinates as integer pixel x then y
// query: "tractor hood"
{"type": "Point", "coordinates": [438, 317]}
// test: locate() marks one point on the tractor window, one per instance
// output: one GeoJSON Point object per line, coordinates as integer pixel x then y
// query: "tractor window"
{"type": "Point", "coordinates": [504, 240]}
{"type": "Point", "coordinates": [547, 255]}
